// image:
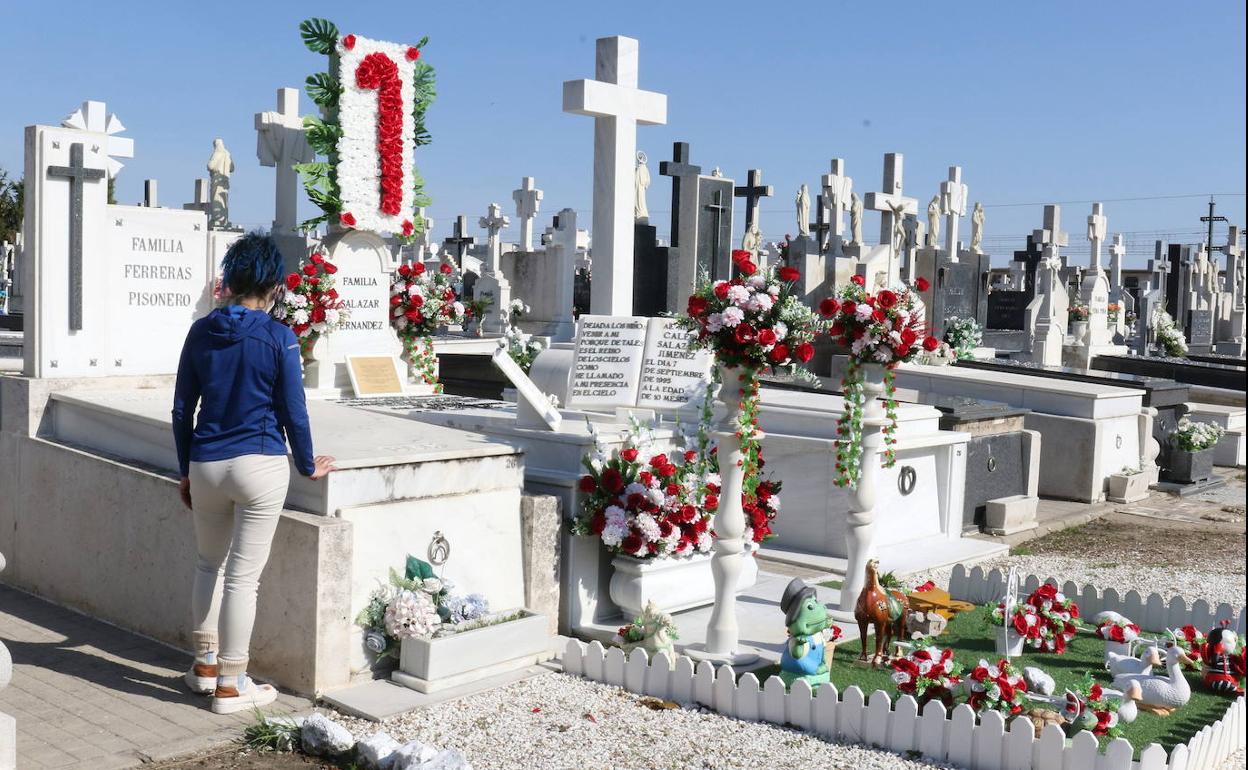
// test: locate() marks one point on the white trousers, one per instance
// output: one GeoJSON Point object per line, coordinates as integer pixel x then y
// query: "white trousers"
{"type": "Point", "coordinates": [236, 505]}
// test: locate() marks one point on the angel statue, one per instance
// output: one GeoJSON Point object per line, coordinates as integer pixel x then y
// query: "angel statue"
{"type": "Point", "coordinates": [803, 210]}
{"type": "Point", "coordinates": [977, 228]}
{"type": "Point", "coordinates": [642, 181]}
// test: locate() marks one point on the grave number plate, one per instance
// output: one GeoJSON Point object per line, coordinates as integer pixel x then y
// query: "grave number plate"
{"type": "Point", "coordinates": [907, 479]}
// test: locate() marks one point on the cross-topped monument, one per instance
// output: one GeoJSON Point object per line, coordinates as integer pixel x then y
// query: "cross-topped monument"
{"type": "Point", "coordinates": [953, 196]}
{"type": "Point", "coordinates": [1117, 250]}
{"type": "Point", "coordinates": [1051, 238]}
{"type": "Point", "coordinates": [617, 106]}
{"type": "Point", "coordinates": [890, 202]}
{"type": "Point", "coordinates": [836, 191]}
{"type": "Point", "coordinates": [1098, 225]}
{"type": "Point", "coordinates": [528, 200]}
{"type": "Point", "coordinates": [717, 208]}
{"type": "Point", "coordinates": [753, 191]}
{"type": "Point", "coordinates": [460, 242]}
{"type": "Point", "coordinates": [94, 116]}
{"type": "Point", "coordinates": [77, 175]}
{"type": "Point", "coordinates": [820, 227]}
{"type": "Point", "coordinates": [679, 168]}
{"type": "Point", "coordinates": [1050, 321]}
{"type": "Point", "coordinates": [281, 143]}
{"type": "Point", "coordinates": [493, 223]}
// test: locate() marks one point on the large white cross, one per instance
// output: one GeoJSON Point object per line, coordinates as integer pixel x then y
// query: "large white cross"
{"type": "Point", "coordinates": [528, 200]}
{"type": "Point", "coordinates": [93, 116]}
{"type": "Point", "coordinates": [1234, 268]}
{"type": "Point", "coordinates": [281, 142]}
{"type": "Point", "coordinates": [1117, 250]}
{"type": "Point", "coordinates": [493, 222]}
{"type": "Point", "coordinates": [1051, 237]}
{"type": "Point", "coordinates": [1098, 225]}
{"type": "Point", "coordinates": [953, 206]}
{"type": "Point", "coordinates": [836, 190]}
{"type": "Point", "coordinates": [617, 107]}
{"type": "Point", "coordinates": [890, 202]}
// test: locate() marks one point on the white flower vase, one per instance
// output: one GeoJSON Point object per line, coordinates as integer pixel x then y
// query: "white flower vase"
{"type": "Point", "coordinates": [873, 391]}
{"type": "Point", "coordinates": [1118, 648]}
{"type": "Point", "coordinates": [1009, 642]}
{"type": "Point", "coordinates": [318, 372]}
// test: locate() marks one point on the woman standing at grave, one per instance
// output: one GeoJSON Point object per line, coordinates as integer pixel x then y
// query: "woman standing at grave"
{"type": "Point", "coordinates": [242, 368]}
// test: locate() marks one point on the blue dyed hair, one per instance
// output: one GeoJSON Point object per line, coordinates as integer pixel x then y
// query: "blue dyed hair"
{"type": "Point", "coordinates": [252, 266]}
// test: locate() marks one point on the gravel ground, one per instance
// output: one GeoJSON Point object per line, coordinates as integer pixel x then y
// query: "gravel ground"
{"type": "Point", "coordinates": [561, 722]}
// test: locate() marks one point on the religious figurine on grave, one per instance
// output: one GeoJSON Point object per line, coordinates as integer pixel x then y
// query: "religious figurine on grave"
{"type": "Point", "coordinates": [640, 182]}
{"type": "Point", "coordinates": [803, 210]}
{"type": "Point", "coordinates": [652, 631]}
{"type": "Point", "coordinates": [220, 167]}
{"type": "Point", "coordinates": [752, 240]}
{"type": "Point", "coordinates": [977, 228]}
{"type": "Point", "coordinates": [855, 219]}
{"type": "Point", "coordinates": [933, 221]}
{"type": "Point", "coordinates": [812, 636]}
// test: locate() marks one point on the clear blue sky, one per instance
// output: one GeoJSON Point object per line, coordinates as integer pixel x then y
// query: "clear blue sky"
{"type": "Point", "coordinates": [1038, 102]}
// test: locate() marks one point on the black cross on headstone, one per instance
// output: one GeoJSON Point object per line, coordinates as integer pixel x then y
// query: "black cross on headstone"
{"type": "Point", "coordinates": [460, 241]}
{"type": "Point", "coordinates": [821, 225]}
{"type": "Point", "coordinates": [78, 175]}
{"type": "Point", "coordinates": [716, 208]}
{"type": "Point", "coordinates": [753, 191]}
{"type": "Point", "coordinates": [677, 168]}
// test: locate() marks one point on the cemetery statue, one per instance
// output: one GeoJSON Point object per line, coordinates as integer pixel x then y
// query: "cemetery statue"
{"type": "Point", "coordinates": [855, 219]}
{"type": "Point", "coordinates": [884, 608]}
{"type": "Point", "coordinates": [933, 221]}
{"type": "Point", "coordinates": [1224, 668]}
{"type": "Point", "coordinates": [899, 229]}
{"type": "Point", "coordinates": [238, 362]}
{"type": "Point", "coordinates": [1160, 694]}
{"type": "Point", "coordinates": [642, 181]}
{"type": "Point", "coordinates": [220, 166]}
{"type": "Point", "coordinates": [977, 228]}
{"type": "Point", "coordinates": [804, 655]}
{"type": "Point", "coordinates": [717, 173]}
{"type": "Point", "coordinates": [803, 210]}
{"type": "Point", "coordinates": [752, 240]}
{"type": "Point", "coordinates": [653, 631]}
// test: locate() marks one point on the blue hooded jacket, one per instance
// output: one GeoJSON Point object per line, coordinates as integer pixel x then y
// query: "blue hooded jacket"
{"type": "Point", "coordinates": [244, 371]}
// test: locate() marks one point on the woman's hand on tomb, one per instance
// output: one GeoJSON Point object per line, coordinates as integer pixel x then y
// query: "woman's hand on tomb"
{"type": "Point", "coordinates": [324, 465]}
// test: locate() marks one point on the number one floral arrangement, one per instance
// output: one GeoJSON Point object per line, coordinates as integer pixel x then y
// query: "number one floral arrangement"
{"type": "Point", "coordinates": [420, 302]}
{"type": "Point", "coordinates": [882, 329]}
{"type": "Point", "coordinates": [310, 305]}
{"type": "Point", "coordinates": [373, 99]}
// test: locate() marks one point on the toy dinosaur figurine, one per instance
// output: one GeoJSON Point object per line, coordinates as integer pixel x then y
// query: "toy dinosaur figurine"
{"type": "Point", "coordinates": [808, 622]}
{"type": "Point", "coordinates": [883, 608]}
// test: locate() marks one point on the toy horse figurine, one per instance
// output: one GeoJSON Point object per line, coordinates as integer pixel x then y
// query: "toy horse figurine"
{"type": "Point", "coordinates": [883, 608]}
{"type": "Point", "coordinates": [804, 656]}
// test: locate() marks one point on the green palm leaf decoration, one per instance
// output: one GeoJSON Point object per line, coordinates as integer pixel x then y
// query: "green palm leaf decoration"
{"type": "Point", "coordinates": [323, 89]}
{"type": "Point", "coordinates": [319, 35]}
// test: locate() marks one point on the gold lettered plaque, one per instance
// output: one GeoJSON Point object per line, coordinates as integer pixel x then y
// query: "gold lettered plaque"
{"type": "Point", "coordinates": [374, 376]}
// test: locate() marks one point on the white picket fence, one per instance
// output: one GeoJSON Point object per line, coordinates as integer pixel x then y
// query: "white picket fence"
{"type": "Point", "coordinates": [1152, 614]}
{"type": "Point", "coordinates": [960, 739]}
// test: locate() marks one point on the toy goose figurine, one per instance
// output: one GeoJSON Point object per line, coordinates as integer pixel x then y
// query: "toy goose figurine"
{"type": "Point", "coordinates": [1119, 664]}
{"type": "Point", "coordinates": [1159, 693]}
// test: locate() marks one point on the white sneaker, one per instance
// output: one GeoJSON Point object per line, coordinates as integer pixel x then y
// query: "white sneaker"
{"type": "Point", "coordinates": [231, 700]}
{"type": "Point", "coordinates": [201, 678]}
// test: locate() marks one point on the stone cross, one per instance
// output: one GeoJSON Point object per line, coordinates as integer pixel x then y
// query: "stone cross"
{"type": "Point", "coordinates": [423, 244]}
{"type": "Point", "coordinates": [953, 196]}
{"type": "Point", "coordinates": [836, 190]}
{"type": "Point", "coordinates": [460, 241]}
{"type": "Point", "coordinates": [528, 200]}
{"type": "Point", "coordinates": [1117, 251]}
{"type": "Point", "coordinates": [820, 227]}
{"type": "Point", "coordinates": [282, 143]}
{"type": "Point", "coordinates": [93, 116]}
{"type": "Point", "coordinates": [754, 191]}
{"type": "Point", "coordinates": [888, 201]}
{"type": "Point", "coordinates": [1234, 267]}
{"type": "Point", "coordinates": [678, 168]}
{"type": "Point", "coordinates": [716, 208]}
{"type": "Point", "coordinates": [617, 106]}
{"type": "Point", "coordinates": [77, 175]}
{"type": "Point", "coordinates": [149, 194]}
{"type": "Point", "coordinates": [200, 200]}
{"type": "Point", "coordinates": [1051, 238]}
{"type": "Point", "coordinates": [1098, 223]}
{"type": "Point", "coordinates": [493, 223]}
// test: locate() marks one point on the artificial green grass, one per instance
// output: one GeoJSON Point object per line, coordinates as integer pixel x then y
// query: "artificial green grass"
{"type": "Point", "coordinates": [972, 637]}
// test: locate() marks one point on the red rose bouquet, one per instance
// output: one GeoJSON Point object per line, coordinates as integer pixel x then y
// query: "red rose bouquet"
{"type": "Point", "coordinates": [421, 300]}
{"type": "Point", "coordinates": [646, 505]}
{"type": "Point", "coordinates": [310, 305]}
{"type": "Point", "coordinates": [1119, 630]}
{"type": "Point", "coordinates": [883, 329]}
{"type": "Point", "coordinates": [996, 687]}
{"type": "Point", "coordinates": [927, 673]}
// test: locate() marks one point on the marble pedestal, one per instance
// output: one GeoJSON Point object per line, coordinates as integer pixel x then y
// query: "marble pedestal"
{"type": "Point", "coordinates": [103, 468]}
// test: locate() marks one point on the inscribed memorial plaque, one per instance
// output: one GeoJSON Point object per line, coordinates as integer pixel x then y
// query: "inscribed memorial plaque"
{"type": "Point", "coordinates": [608, 360]}
{"type": "Point", "coordinates": [671, 375]}
{"type": "Point", "coordinates": [374, 376]}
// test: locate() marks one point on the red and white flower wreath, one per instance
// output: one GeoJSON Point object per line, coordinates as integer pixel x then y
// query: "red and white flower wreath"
{"type": "Point", "coordinates": [375, 153]}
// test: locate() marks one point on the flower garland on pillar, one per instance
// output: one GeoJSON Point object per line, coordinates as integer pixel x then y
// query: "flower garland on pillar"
{"type": "Point", "coordinates": [879, 330]}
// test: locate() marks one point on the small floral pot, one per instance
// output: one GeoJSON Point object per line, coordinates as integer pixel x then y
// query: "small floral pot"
{"type": "Point", "coordinates": [1009, 642]}
{"type": "Point", "coordinates": [1117, 648]}
{"type": "Point", "coordinates": [1127, 488]}
{"type": "Point", "coordinates": [1078, 330]}
{"type": "Point", "coordinates": [429, 665]}
{"type": "Point", "coordinates": [1189, 467]}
